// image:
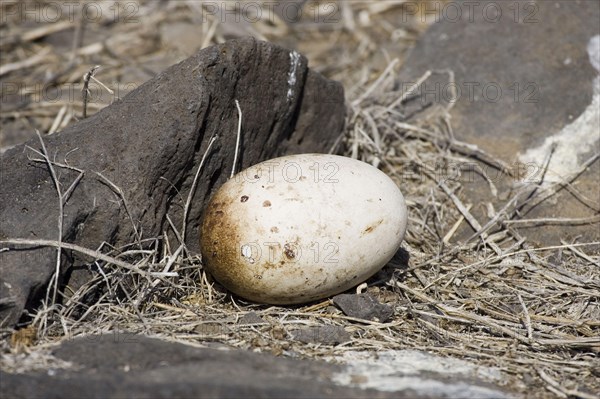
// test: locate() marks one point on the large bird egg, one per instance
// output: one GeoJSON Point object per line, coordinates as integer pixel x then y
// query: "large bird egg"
{"type": "Point", "coordinates": [301, 228]}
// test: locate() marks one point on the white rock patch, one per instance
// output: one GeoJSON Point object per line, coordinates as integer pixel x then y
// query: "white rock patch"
{"type": "Point", "coordinates": [394, 371]}
{"type": "Point", "coordinates": [573, 140]}
{"type": "Point", "coordinates": [294, 62]}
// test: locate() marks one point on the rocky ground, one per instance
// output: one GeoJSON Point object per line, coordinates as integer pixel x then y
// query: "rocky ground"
{"type": "Point", "coordinates": [486, 116]}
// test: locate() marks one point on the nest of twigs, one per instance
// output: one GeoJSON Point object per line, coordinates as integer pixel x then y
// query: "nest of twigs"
{"type": "Point", "coordinates": [493, 297]}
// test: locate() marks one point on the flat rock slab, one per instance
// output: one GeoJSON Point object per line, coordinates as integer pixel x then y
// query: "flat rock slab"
{"type": "Point", "coordinates": [525, 76]}
{"type": "Point", "coordinates": [123, 365]}
{"type": "Point", "coordinates": [137, 158]}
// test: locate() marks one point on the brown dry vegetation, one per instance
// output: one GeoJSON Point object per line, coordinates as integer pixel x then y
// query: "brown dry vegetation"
{"type": "Point", "coordinates": [494, 298]}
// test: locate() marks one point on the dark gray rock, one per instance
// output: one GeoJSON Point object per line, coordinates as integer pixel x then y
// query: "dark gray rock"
{"type": "Point", "coordinates": [545, 49]}
{"type": "Point", "coordinates": [123, 365]}
{"type": "Point", "coordinates": [363, 306]}
{"type": "Point", "coordinates": [327, 335]}
{"type": "Point", "coordinates": [524, 73]}
{"type": "Point", "coordinates": [149, 144]}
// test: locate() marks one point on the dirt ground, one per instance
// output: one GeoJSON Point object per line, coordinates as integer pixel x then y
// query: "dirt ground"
{"type": "Point", "coordinates": [492, 299]}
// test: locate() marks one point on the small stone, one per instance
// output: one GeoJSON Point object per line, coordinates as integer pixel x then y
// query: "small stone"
{"type": "Point", "coordinates": [328, 335]}
{"type": "Point", "coordinates": [363, 306]}
{"type": "Point", "coordinates": [251, 318]}
{"type": "Point", "coordinates": [278, 333]}
{"type": "Point", "coordinates": [210, 329]}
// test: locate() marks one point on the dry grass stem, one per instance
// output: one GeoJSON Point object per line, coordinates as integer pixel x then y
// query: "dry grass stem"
{"type": "Point", "coordinates": [188, 202]}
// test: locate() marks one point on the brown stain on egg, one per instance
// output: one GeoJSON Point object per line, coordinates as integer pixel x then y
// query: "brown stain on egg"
{"type": "Point", "coordinates": [371, 227]}
{"type": "Point", "coordinates": [269, 265]}
{"type": "Point", "coordinates": [221, 243]}
{"type": "Point", "coordinates": [267, 204]}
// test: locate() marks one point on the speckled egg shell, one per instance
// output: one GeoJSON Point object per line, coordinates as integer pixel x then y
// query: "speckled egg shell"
{"type": "Point", "coordinates": [302, 227]}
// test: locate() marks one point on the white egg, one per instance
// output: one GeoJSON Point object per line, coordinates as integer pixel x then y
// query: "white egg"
{"type": "Point", "coordinates": [302, 227]}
